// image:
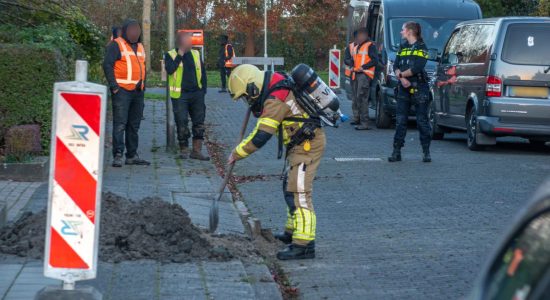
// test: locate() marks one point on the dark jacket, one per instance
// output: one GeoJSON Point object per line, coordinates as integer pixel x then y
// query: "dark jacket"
{"type": "Point", "coordinates": [112, 54]}
{"type": "Point", "coordinates": [412, 57]}
{"type": "Point", "coordinates": [189, 84]}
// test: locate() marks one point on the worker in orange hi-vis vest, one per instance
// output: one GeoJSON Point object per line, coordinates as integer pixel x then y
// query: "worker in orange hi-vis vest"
{"type": "Point", "coordinates": [225, 61]}
{"type": "Point", "coordinates": [366, 60]}
{"type": "Point", "coordinates": [349, 64]}
{"type": "Point", "coordinates": [124, 67]}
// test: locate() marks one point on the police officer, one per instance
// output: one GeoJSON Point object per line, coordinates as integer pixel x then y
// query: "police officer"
{"type": "Point", "coordinates": [413, 90]}
{"type": "Point", "coordinates": [279, 112]}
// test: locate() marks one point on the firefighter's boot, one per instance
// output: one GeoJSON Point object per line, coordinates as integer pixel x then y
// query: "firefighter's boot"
{"type": "Point", "coordinates": [396, 154]}
{"type": "Point", "coordinates": [294, 251]}
{"type": "Point", "coordinates": [197, 151]}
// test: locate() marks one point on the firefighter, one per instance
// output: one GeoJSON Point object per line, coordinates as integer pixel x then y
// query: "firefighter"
{"type": "Point", "coordinates": [225, 61]}
{"type": "Point", "coordinates": [187, 82]}
{"type": "Point", "coordinates": [349, 55]}
{"type": "Point", "coordinates": [278, 113]}
{"type": "Point", "coordinates": [124, 67]}
{"type": "Point", "coordinates": [365, 62]}
{"type": "Point", "coordinates": [413, 89]}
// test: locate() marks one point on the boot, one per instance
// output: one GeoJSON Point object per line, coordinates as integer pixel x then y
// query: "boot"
{"type": "Point", "coordinates": [285, 237]}
{"type": "Point", "coordinates": [294, 251]}
{"type": "Point", "coordinates": [197, 151]}
{"type": "Point", "coordinates": [396, 154]}
{"type": "Point", "coordinates": [184, 152]}
{"type": "Point", "coordinates": [426, 158]}
{"type": "Point", "coordinates": [117, 160]}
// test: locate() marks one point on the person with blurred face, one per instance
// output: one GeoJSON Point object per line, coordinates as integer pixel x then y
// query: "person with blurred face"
{"type": "Point", "coordinates": [124, 67]}
{"type": "Point", "coordinates": [187, 83]}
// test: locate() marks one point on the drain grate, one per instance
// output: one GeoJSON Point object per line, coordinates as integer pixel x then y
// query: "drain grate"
{"type": "Point", "coordinates": [352, 159]}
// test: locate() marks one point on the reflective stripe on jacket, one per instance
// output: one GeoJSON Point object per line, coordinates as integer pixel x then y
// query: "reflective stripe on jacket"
{"type": "Point", "coordinates": [130, 68]}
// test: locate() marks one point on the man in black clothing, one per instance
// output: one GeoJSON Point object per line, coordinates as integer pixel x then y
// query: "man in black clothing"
{"type": "Point", "coordinates": [225, 55]}
{"type": "Point", "coordinates": [127, 91]}
{"type": "Point", "coordinates": [187, 81]}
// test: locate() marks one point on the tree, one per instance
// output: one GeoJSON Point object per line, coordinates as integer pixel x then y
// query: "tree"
{"type": "Point", "coordinates": [146, 27]}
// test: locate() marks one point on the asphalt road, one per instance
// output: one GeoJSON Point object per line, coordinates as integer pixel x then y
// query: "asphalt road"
{"type": "Point", "coordinates": [407, 230]}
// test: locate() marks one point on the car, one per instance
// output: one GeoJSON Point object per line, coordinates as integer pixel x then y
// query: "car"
{"type": "Point", "coordinates": [493, 80]}
{"type": "Point", "coordinates": [519, 268]}
{"type": "Point", "coordinates": [384, 20]}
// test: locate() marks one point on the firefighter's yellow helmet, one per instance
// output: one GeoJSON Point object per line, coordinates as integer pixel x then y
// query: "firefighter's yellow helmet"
{"type": "Point", "coordinates": [246, 81]}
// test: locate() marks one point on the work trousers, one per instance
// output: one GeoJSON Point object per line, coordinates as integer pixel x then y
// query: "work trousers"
{"type": "Point", "coordinates": [127, 114]}
{"type": "Point", "coordinates": [189, 104]}
{"type": "Point", "coordinates": [224, 74]}
{"type": "Point", "coordinates": [362, 90]}
{"type": "Point", "coordinates": [298, 188]}
{"type": "Point", "coordinates": [354, 106]}
{"type": "Point", "coordinates": [420, 98]}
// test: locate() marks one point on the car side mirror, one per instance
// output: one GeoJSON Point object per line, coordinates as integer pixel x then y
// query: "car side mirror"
{"type": "Point", "coordinates": [433, 54]}
{"type": "Point", "coordinates": [453, 59]}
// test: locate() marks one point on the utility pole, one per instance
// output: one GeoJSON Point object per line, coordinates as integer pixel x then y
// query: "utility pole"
{"type": "Point", "coordinates": [146, 25]}
{"type": "Point", "coordinates": [265, 33]}
{"type": "Point", "coordinates": [170, 132]}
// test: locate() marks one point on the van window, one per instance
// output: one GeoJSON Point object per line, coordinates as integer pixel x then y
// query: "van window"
{"type": "Point", "coordinates": [452, 48]}
{"type": "Point", "coordinates": [434, 31]}
{"type": "Point", "coordinates": [476, 40]}
{"type": "Point", "coordinates": [527, 44]}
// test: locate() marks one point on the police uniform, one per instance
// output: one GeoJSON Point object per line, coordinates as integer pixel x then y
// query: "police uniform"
{"type": "Point", "coordinates": [281, 109]}
{"type": "Point", "coordinates": [413, 57]}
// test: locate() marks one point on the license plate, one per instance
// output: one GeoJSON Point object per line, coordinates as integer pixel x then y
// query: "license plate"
{"type": "Point", "coordinates": [528, 92]}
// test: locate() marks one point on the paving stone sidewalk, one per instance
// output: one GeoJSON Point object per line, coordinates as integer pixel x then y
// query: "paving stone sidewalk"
{"type": "Point", "coordinates": [189, 183]}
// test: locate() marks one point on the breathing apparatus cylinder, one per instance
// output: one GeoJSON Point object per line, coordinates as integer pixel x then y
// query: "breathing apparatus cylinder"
{"type": "Point", "coordinates": [320, 97]}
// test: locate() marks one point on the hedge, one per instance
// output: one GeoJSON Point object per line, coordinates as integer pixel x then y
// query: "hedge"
{"type": "Point", "coordinates": [28, 73]}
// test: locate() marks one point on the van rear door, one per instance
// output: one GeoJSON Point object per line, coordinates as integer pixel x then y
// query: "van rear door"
{"type": "Point", "coordinates": [524, 74]}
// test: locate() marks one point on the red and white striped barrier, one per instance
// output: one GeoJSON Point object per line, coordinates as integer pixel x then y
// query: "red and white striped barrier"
{"type": "Point", "coordinates": [334, 69]}
{"type": "Point", "coordinates": [76, 168]}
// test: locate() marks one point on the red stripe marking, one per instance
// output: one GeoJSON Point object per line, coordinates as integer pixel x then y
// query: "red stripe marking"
{"type": "Point", "coordinates": [334, 68]}
{"type": "Point", "coordinates": [62, 255]}
{"type": "Point", "coordinates": [332, 83]}
{"type": "Point", "coordinates": [87, 106]}
{"type": "Point", "coordinates": [336, 54]}
{"type": "Point", "coordinates": [75, 180]}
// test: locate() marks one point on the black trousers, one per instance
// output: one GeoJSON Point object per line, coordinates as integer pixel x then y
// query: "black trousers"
{"type": "Point", "coordinates": [127, 115]}
{"type": "Point", "coordinates": [224, 74]}
{"type": "Point", "coordinates": [420, 98]}
{"type": "Point", "coordinates": [189, 104]}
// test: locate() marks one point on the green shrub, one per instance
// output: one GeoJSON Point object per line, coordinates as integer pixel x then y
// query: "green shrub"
{"type": "Point", "coordinates": [28, 73]}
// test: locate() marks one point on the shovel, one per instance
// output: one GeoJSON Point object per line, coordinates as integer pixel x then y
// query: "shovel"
{"type": "Point", "coordinates": [214, 217]}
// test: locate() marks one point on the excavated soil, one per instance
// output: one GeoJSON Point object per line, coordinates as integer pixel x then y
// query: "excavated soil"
{"type": "Point", "coordinates": [146, 229]}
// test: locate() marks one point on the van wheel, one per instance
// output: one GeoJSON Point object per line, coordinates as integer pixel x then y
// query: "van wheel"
{"type": "Point", "coordinates": [383, 120]}
{"type": "Point", "coordinates": [471, 129]}
{"type": "Point", "coordinates": [437, 132]}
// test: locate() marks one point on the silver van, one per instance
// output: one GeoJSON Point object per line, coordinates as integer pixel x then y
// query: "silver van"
{"type": "Point", "coordinates": [493, 80]}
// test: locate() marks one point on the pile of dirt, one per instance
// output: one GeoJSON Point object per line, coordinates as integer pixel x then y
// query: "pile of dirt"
{"type": "Point", "coordinates": [147, 229]}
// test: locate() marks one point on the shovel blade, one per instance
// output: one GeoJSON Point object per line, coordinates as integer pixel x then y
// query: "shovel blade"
{"type": "Point", "coordinates": [214, 218]}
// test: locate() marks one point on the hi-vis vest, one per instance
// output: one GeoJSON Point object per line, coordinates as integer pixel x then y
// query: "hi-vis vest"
{"type": "Point", "coordinates": [130, 68]}
{"type": "Point", "coordinates": [229, 62]}
{"type": "Point", "coordinates": [349, 70]}
{"type": "Point", "coordinates": [174, 80]}
{"type": "Point", "coordinates": [362, 57]}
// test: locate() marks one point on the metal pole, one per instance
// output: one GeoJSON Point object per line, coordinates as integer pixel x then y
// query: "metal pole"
{"type": "Point", "coordinates": [265, 32]}
{"type": "Point", "coordinates": [81, 71]}
{"type": "Point", "coordinates": [170, 127]}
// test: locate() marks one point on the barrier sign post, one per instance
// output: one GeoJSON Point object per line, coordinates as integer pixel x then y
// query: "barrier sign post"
{"type": "Point", "coordinates": [76, 168]}
{"type": "Point", "coordinates": [334, 69]}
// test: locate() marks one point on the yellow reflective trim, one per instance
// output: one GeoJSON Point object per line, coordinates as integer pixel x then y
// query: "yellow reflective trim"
{"type": "Point", "coordinates": [239, 149]}
{"type": "Point", "coordinates": [241, 152]}
{"type": "Point", "coordinates": [269, 122]}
